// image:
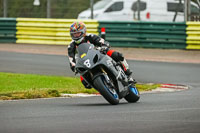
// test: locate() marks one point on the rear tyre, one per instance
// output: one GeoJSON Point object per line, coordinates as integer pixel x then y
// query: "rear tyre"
{"type": "Point", "coordinates": [133, 95]}
{"type": "Point", "coordinates": [106, 90]}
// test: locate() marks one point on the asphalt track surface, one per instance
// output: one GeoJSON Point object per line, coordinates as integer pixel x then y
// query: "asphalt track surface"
{"type": "Point", "coordinates": [177, 112]}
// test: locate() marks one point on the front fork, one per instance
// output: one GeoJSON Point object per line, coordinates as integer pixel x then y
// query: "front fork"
{"type": "Point", "coordinates": [122, 82]}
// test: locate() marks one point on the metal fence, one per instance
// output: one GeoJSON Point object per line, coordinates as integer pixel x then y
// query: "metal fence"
{"type": "Point", "coordinates": [46, 8]}
{"type": "Point", "coordinates": [61, 8]}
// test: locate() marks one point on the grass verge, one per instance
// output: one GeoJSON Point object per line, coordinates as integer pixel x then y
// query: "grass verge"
{"type": "Point", "coordinates": [30, 86]}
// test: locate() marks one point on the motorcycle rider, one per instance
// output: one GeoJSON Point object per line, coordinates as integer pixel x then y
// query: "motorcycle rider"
{"type": "Point", "coordinates": [79, 36]}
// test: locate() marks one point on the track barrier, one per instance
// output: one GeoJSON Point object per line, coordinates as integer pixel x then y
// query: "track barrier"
{"type": "Point", "coordinates": [8, 30]}
{"type": "Point", "coordinates": [193, 35]}
{"type": "Point", "coordinates": [145, 34]}
{"type": "Point", "coordinates": [48, 31]}
{"type": "Point", "coordinates": [169, 35]}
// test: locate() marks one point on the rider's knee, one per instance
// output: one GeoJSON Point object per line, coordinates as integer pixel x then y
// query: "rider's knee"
{"type": "Point", "coordinates": [116, 56]}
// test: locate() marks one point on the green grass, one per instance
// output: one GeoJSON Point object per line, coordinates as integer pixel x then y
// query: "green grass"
{"type": "Point", "coordinates": [28, 86]}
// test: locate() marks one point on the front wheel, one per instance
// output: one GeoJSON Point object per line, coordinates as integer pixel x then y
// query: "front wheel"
{"type": "Point", "coordinates": [133, 95]}
{"type": "Point", "coordinates": [106, 90]}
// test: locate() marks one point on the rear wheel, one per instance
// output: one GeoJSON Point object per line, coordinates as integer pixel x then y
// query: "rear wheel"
{"type": "Point", "coordinates": [133, 95]}
{"type": "Point", "coordinates": [107, 90]}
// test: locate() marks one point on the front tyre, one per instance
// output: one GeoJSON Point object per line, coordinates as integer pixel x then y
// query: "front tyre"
{"type": "Point", "coordinates": [133, 95]}
{"type": "Point", "coordinates": [106, 90]}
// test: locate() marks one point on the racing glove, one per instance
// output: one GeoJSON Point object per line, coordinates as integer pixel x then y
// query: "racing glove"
{"type": "Point", "coordinates": [72, 68]}
{"type": "Point", "coordinates": [105, 47]}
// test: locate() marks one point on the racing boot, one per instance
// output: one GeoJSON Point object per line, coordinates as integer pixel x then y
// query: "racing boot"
{"type": "Point", "coordinates": [128, 72]}
{"type": "Point", "coordinates": [130, 79]}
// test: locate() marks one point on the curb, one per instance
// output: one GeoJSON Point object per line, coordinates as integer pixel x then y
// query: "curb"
{"type": "Point", "coordinates": [174, 86]}
{"type": "Point", "coordinates": [163, 88]}
{"type": "Point", "coordinates": [168, 88]}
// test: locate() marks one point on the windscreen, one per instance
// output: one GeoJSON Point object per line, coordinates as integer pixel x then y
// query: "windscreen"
{"type": "Point", "coordinates": [100, 4]}
{"type": "Point", "coordinates": [83, 48]}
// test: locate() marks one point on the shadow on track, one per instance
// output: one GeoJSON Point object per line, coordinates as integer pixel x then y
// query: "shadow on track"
{"type": "Point", "coordinates": [101, 104]}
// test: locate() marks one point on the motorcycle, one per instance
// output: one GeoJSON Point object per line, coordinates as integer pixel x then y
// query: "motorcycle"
{"type": "Point", "coordinates": [105, 75]}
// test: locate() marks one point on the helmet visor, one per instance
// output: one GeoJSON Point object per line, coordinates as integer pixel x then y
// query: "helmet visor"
{"type": "Point", "coordinates": [76, 35]}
